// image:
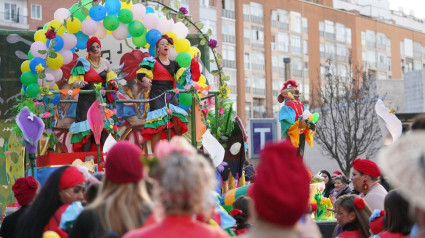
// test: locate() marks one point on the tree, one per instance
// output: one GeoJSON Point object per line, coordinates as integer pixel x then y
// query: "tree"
{"type": "Point", "coordinates": [348, 126]}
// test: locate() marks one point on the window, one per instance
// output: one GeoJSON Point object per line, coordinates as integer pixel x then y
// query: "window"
{"type": "Point", "coordinates": [209, 24]}
{"type": "Point", "coordinates": [229, 52]}
{"type": "Point", "coordinates": [371, 58]}
{"type": "Point", "coordinates": [417, 64]}
{"type": "Point", "coordinates": [389, 63]}
{"type": "Point", "coordinates": [305, 47]}
{"type": "Point", "coordinates": [228, 4]}
{"type": "Point", "coordinates": [363, 38]}
{"type": "Point", "coordinates": [228, 28]}
{"type": "Point", "coordinates": [305, 25]}
{"type": "Point", "coordinates": [36, 11]}
{"type": "Point", "coordinates": [246, 33]}
{"type": "Point", "coordinates": [408, 48]}
{"type": "Point", "coordinates": [370, 39]}
{"type": "Point", "coordinates": [297, 66]}
{"type": "Point", "coordinates": [258, 35]}
{"type": "Point", "coordinates": [257, 57]}
{"type": "Point", "coordinates": [402, 48]}
{"type": "Point", "coordinates": [247, 61]}
{"type": "Point", "coordinates": [348, 31]}
{"type": "Point", "coordinates": [340, 32]}
{"type": "Point", "coordinates": [321, 28]}
{"type": "Point", "coordinates": [342, 71]}
{"type": "Point", "coordinates": [283, 41]}
{"type": "Point", "coordinates": [256, 9]}
{"type": "Point", "coordinates": [330, 50]}
{"type": "Point", "coordinates": [388, 45]}
{"type": "Point", "coordinates": [295, 22]}
{"type": "Point", "coordinates": [322, 50]}
{"type": "Point", "coordinates": [10, 12]}
{"type": "Point", "coordinates": [204, 3]}
{"type": "Point", "coordinates": [282, 16]}
{"type": "Point", "coordinates": [330, 29]}
{"type": "Point", "coordinates": [296, 44]}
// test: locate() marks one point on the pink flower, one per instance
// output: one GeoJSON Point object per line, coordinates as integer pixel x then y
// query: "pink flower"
{"type": "Point", "coordinates": [196, 87]}
{"type": "Point", "coordinates": [205, 110]}
{"type": "Point", "coordinates": [221, 111]}
{"type": "Point", "coordinates": [37, 103]}
{"type": "Point", "coordinates": [47, 114]}
{"type": "Point", "coordinates": [169, 111]}
{"type": "Point", "coordinates": [163, 149]}
{"type": "Point", "coordinates": [114, 111]}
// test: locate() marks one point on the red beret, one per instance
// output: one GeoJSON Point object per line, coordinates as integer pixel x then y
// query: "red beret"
{"type": "Point", "coordinates": [366, 166]}
{"type": "Point", "coordinates": [281, 199]}
{"type": "Point", "coordinates": [92, 40]}
{"type": "Point", "coordinates": [25, 190]}
{"type": "Point", "coordinates": [123, 163]}
{"type": "Point", "coordinates": [70, 178]}
{"type": "Point", "coordinates": [337, 172]}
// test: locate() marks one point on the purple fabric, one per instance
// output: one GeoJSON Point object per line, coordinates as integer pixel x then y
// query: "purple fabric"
{"type": "Point", "coordinates": [32, 128]}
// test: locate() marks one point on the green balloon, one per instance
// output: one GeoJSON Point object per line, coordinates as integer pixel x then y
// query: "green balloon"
{"type": "Point", "coordinates": [79, 13]}
{"type": "Point", "coordinates": [30, 56]}
{"type": "Point", "coordinates": [184, 59]}
{"type": "Point", "coordinates": [139, 41]}
{"type": "Point", "coordinates": [185, 99]}
{"type": "Point", "coordinates": [28, 78]}
{"type": "Point", "coordinates": [111, 22]}
{"type": "Point", "coordinates": [33, 90]}
{"type": "Point", "coordinates": [136, 29]}
{"type": "Point", "coordinates": [125, 16]}
{"type": "Point", "coordinates": [46, 26]}
{"type": "Point", "coordinates": [315, 117]}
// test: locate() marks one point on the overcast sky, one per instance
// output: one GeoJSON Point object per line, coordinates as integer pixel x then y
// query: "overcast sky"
{"type": "Point", "coordinates": [418, 6]}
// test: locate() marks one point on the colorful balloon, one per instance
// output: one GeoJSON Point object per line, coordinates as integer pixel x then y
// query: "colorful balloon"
{"type": "Point", "coordinates": [112, 7]}
{"type": "Point", "coordinates": [315, 117]}
{"type": "Point", "coordinates": [36, 61]}
{"type": "Point", "coordinates": [165, 25]}
{"type": "Point", "coordinates": [182, 45]}
{"type": "Point", "coordinates": [111, 22]}
{"type": "Point", "coordinates": [38, 46]}
{"type": "Point", "coordinates": [184, 59]}
{"type": "Point", "coordinates": [57, 26]}
{"type": "Point", "coordinates": [28, 78]}
{"type": "Point", "coordinates": [185, 99]}
{"type": "Point", "coordinates": [121, 32]}
{"type": "Point", "coordinates": [30, 56]}
{"type": "Point", "coordinates": [69, 40]}
{"type": "Point", "coordinates": [57, 73]}
{"type": "Point", "coordinates": [78, 13]}
{"type": "Point", "coordinates": [73, 26]}
{"type": "Point", "coordinates": [181, 30]}
{"type": "Point", "coordinates": [61, 14]}
{"type": "Point", "coordinates": [173, 54]}
{"type": "Point", "coordinates": [81, 40]}
{"type": "Point", "coordinates": [139, 41]}
{"type": "Point", "coordinates": [193, 51]}
{"type": "Point", "coordinates": [97, 13]}
{"type": "Point", "coordinates": [139, 11]}
{"type": "Point", "coordinates": [33, 90]}
{"type": "Point", "coordinates": [172, 35]}
{"type": "Point", "coordinates": [150, 10]}
{"type": "Point", "coordinates": [25, 66]}
{"type": "Point", "coordinates": [153, 36]}
{"type": "Point", "coordinates": [89, 27]}
{"type": "Point", "coordinates": [67, 56]}
{"type": "Point", "coordinates": [125, 16]}
{"type": "Point", "coordinates": [150, 21]}
{"type": "Point", "coordinates": [58, 43]}
{"type": "Point", "coordinates": [55, 63]}
{"type": "Point", "coordinates": [136, 29]}
{"type": "Point", "coordinates": [152, 50]}
{"type": "Point", "coordinates": [101, 31]}
{"type": "Point", "coordinates": [40, 35]}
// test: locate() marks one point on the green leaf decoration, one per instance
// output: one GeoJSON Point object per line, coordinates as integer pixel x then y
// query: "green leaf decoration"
{"type": "Point", "coordinates": [209, 32]}
{"type": "Point", "coordinates": [80, 3]}
{"type": "Point", "coordinates": [53, 55]}
{"type": "Point", "coordinates": [215, 72]}
{"type": "Point", "coordinates": [85, 11]}
{"type": "Point", "coordinates": [42, 52]}
{"type": "Point", "coordinates": [94, 3]}
{"type": "Point", "coordinates": [176, 4]}
{"type": "Point", "coordinates": [203, 41]}
{"type": "Point", "coordinates": [41, 75]}
{"type": "Point", "coordinates": [157, 7]}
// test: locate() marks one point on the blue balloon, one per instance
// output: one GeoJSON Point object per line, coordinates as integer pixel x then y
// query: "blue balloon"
{"type": "Point", "coordinates": [81, 40]}
{"type": "Point", "coordinates": [59, 43]}
{"type": "Point", "coordinates": [149, 10]}
{"type": "Point", "coordinates": [113, 6]}
{"type": "Point", "coordinates": [73, 49]}
{"type": "Point", "coordinates": [183, 107]}
{"type": "Point", "coordinates": [97, 13]}
{"type": "Point", "coordinates": [36, 61]}
{"type": "Point", "coordinates": [153, 36]}
{"type": "Point", "coordinates": [152, 50]}
{"type": "Point", "coordinates": [55, 100]}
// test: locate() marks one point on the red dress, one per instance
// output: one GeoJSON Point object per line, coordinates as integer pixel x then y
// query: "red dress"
{"type": "Point", "coordinates": [350, 234]}
{"type": "Point", "coordinates": [177, 226]}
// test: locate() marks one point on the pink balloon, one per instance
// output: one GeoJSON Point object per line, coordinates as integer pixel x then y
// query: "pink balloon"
{"type": "Point", "coordinates": [61, 14]}
{"type": "Point", "coordinates": [36, 46]}
{"type": "Point", "coordinates": [67, 56]}
{"type": "Point", "coordinates": [89, 27]}
{"type": "Point", "coordinates": [165, 25]}
{"type": "Point", "coordinates": [173, 54]}
{"type": "Point", "coordinates": [57, 73]}
{"type": "Point", "coordinates": [121, 32]}
{"type": "Point", "coordinates": [139, 11]}
{"type": "Point", "coordinates": [101, 31]}
{"type": "Point", "coordinates": [69, 40]}
{"type": "Point", "coordinates": [49, 80]}
{"type": "Point", "coordinates": [151, 21]}
{"type": "Point", "coordinates": [181, 30]}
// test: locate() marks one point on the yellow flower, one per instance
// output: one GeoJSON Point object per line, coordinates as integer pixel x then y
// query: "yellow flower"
{"type": "Point", "coordinates": [45, 90]}
{"type": "Point", "coordinates": [208, 121]}
{"type": "Point", "coordinates": [39, 68]}
{"type": "Point", "coordinates": [224, 91]}
{"type": "Point", "coordinates": [98, 86]}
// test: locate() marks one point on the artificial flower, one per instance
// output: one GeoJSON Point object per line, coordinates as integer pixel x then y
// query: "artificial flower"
{"type": "Point", "coordinates": [50, 34]}
{"type": "Point", "coordinates": [221, 111]}
{"type": "Point", "coordinates": [37, 103]}
{"type": "Point", "coordinates": [224, 91]}
{"type": "Point", "coordinates": [169, 111]}
{"type": "Point", "coordinates": [98, 86]}
{"type": "Point", "coordinates": [39, 68]}
{"type": "Point", "coordinates": [45, 91]}
{"type": "Point", "coordinates": [183, 10]}
{"type": "Point", "coordinates": [46, 115]}
{"type": "Point", "coordinates": [212, 44]}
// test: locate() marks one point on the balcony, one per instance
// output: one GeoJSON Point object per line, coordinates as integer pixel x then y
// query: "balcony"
{"type": "Point", "coordinates": [258, 67]}
{"type": "Point", "coordinates": [371, 45]}
{"type": "Point", "coordinates": [258, 44]}
{"type": "Point", "coordinates": [229, 38]}
{"type": "Point", "coordinates": [248, 90]}
{"type": "Point", "coordinates": [257, 19]}
{"type": "Point", "coordinates": [13, 21]}
{"type": "Point", "coordinates": [229, 64]}
{"type": "Point", "coordinates": [282, 25]}
{"type": "Point", "coordinates": [228, 14]}
{"type": "Point", "coordinates": [330, 36]}
{"type": "Point", "coordinates": [275, 69]}
{"type": "Point", "coordinates": [246, 17]}
{"type": "Point", "coordinates": [259, 91]}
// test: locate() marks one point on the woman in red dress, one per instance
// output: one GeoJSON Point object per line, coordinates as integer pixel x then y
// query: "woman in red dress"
{"type": "Point", "coordinates": [352, 215]}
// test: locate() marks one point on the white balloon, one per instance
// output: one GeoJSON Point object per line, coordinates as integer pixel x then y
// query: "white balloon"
{"type": "Point", "coordinates": [173, 54]}
{"type": "Point", "coordinates": [181, 30]}
{"type": "Point", "coordinates": [89, 27]}
{"type": "Point", "coordinates": [49, 80]}
{"type": "Point", "coordinates": [165, 25]}
{"type": "Point", "coordinates": [151, 21]}
{"type": "Point", "coordinates": [57, 73]}
{"type": "Point", "coordinates": [306, 114]}
{"type": "Point", "coordinates": [67, 56]}
{"type": "Point", "coordinates": [101, 31]}
{"type": "Point", "coordinates": [121, 32]}
{"type": "Point", "coordinates": [61, 14]}
{"type": "Point", "coordinates": [69, 40]}
{"type": "Point", "coordinates": [36, 46]}
{"type": "Point", "coordinates": [139, 11]}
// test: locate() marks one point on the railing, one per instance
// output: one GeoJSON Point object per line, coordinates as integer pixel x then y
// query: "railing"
{"type": "Point", "coordinates": [321, 33]}
{"type": "Point", "coordinates": [259, 67]}
{"type": "Point", "coordinates": [248, 89]}
{"type": "Point", "coordinates": [330, 35]}
{"type": "Point", "coordinates": [274, 23]}
{"type": "Point", "coordinates": [282, 25]}
{"type": "Point", "coordinates": [228, 13]}
{"type": "Point", "coordinates": [15, 18]}
{"type": "Point", "coordinates": [229, 64]}
{"type": "Point", "coordinates": [259, 91]}
{"type": "Point", "coordinates": [370, 44]}
{"type": "Point", "coordinates": [381, 46]}
{"type": "Point", "coordinates": [228, 38]}
{"type": "Point", "coordinates": [258, 44]}
{"type": "Point", "coordinates": [246, 17]}
{"type": "Point", "coordinates": [257, 19]}
{"type": "Point", "coordinates": [275, 93]}
{"type": "Point", "coordinates": [275, 69]}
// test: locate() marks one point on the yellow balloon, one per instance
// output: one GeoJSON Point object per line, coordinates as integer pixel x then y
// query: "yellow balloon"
{"type": "Point", "coordinates": [55, 63]}
{"type": "Point", "coordinates": [310, 117]}
{"type": "Point", "coordinates": [125, 5]}
{"type": "Point", "coordinates": [57, 26]}
{"type": "Point", "coordinates": [25, 66]}
{"type": "Point", "coordinates": [73, 26]}
{"type": "Point", "coordinates": [108, 32]}
{"type": "Point", "coordinates": [50, 234]}
{"type": "Point", "coordinates": [202, 80]}
{"type": "Point", "coordinates": [40, 36]}
{"type": "Point", "coordinates": [55, 87]}
{"type": "Point", "coordinates": [182, 45]}
{"type": "Point", "coordinates": [193, 51]}
{"type": "Point", "coordinates": [172, 35]}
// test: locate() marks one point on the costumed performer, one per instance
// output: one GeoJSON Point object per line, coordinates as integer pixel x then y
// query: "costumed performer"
{"type": "Point", "coordinates": [86, 73]}
{"type": "Point", "coordinates": [163, 73]}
